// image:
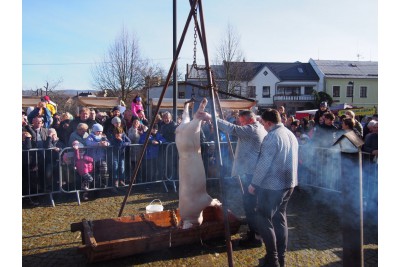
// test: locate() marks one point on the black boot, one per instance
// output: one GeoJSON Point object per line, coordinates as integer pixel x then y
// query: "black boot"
{"type": "Point", "coordinates": [250, 240]}
{"type": "Point", "coordinates": [268, 262]}
{"type": "Point", "coordinates": [281, 261]}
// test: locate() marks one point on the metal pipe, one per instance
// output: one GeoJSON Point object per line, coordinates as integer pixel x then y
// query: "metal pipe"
{"type": "Point", "coordinates": [352, 208]}
{"type": "Point", "coordinates": [221, 92]}
{"type": "Point", "coordinates": [158, 107]}
{"type": "Point", "coordinates": [231, 153]}
{"type": "Point", "coordinates": [218, 148]}
{"type": "Point", "coordinates": [175, 85]}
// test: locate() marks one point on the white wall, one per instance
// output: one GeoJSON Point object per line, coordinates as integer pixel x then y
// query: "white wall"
{"type": "Point", "coordinates": [320, 74]}
{"type": "Point", "coordinates": [261, 80]}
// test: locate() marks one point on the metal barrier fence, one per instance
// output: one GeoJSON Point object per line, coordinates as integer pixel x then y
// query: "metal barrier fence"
{"type": "Point", "coordinates": [209, 156]}
{"type": "Point", "coordinates": [46, 171]}
{"type": "Point", "coordinates": [112, 168]}
{"type": "Point", "coordinates": [40, 175]}
{"type": "Point", "coordinates": [322, 168]}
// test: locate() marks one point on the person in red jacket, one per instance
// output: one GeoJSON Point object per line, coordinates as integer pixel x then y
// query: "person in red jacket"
{"type": "Point", "coordinates": [84, 166]}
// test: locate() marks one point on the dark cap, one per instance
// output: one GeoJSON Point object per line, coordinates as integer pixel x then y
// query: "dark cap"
{"type": "Point", "coordinates": [116, 108]}
{"type": "Point", "coordinates": [323, 104]}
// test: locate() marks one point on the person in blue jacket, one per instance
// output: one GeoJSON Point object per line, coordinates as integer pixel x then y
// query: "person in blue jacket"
{"type": "Point", "coordinates": [150, 170]}
{"type": "Point", "coordinates": [41, 111]}
{"type": "Point", "coordinates": [120, 141]}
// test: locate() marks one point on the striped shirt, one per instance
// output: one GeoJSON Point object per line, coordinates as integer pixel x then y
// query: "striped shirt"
{"type": "Point", "coordinates": [276, 167]}
{"type": "Point", "coordinates": [248, 145]}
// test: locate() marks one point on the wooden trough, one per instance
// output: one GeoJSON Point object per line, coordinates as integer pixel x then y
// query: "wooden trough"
{"type": "Point", "coordinates": [123, 236]}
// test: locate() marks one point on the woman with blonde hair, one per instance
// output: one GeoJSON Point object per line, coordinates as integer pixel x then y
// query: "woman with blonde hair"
{"type": "Point", "coordinates": [62, 131]}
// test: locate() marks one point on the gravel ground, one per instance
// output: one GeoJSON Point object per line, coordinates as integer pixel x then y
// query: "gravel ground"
{"type": "Point", "coordinates": [314, 232]}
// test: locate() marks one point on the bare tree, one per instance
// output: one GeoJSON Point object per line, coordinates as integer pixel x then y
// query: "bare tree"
{"type": "Point", "coordinates": [229, 48]}
{"type": "Point", "coordinates": [122, 71]}
{"type": "Point", "coordinates": [229, 54]}
{"type": "Point", "coordinates": [48, 89]}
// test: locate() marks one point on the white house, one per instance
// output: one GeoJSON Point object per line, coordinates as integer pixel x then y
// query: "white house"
{"type": "Point", "coordinates": [269, 84]}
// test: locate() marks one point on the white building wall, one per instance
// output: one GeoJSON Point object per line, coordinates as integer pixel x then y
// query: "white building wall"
{"type": "Point", "coordinates": [261, 80]}
{"type": "Point", "coordinates": [321, 75]}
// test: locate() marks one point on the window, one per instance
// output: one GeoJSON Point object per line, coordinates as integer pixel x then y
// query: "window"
{"type": "Point", "coordinates": [237, 90]}
{"type": "Point", "coordinates": [363, 92]}
{"type": "Point", "coordinates": [266, 92]}
{"type": "Point", "coordinates": [349, 92]}
{"type": "Point", "coordinates": [300, 70]}
{"type": "Point", "coordinates": [181, 95]}
{"type": "Point", "coordinates": [308, 90]}
{"type": "Point", "coordinates": [204, 93]}
{"type": "Point", "coordinates": [265, 73]}
{"type": "Point", "coordinates": [336, 91]}
{"type": "Point", "coordinates": [251, 91]}
{"type": "Point", "coordinates": [288, 90]}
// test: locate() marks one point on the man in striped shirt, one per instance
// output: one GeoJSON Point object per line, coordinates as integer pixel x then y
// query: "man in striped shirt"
{"type": "Point", "coordinates": [274, 179]}
{"type": "Point", "coordinates": [250, 134]}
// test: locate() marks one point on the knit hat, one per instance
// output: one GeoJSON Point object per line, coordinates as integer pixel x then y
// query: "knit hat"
{"type": "Point", "coordinates": [116, 120]}
{"type": "Point", "coordinates": [116, 108]}
{"type": "Point", "coordinates": [323, 104]}
{"type": "Point", "coordinates": [47, 98]}
{"type": "Point", "coordinates": [97, 128]}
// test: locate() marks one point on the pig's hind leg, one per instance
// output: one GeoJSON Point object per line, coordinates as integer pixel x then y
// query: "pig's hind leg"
{"type": "Point", "coordinates": [200, 113]}
{"type": "Point", "coordinates": [185, 114]}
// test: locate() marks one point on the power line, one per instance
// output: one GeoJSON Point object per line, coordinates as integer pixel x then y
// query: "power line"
{"type": "Point", "coordinates": [49, 64]}
{"type": "Point", "coordinates": [84, 63]}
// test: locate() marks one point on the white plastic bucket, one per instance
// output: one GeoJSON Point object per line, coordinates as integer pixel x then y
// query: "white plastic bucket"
{"type": "Point", "coordinates": [151, 208]}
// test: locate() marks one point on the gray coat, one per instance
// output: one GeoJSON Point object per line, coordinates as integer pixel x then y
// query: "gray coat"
{"type": "Point", "coordinates": [248, 145]}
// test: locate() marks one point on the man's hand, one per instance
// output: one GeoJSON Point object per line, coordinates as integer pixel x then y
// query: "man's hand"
{"type": "Point", "coordinates": [118, 137]}
{"type": "Point", "coordinates": [24, 121]}
{"type": "Point", "coordinates": [202, 115]}
{"type": "Point", "coordinates": [26, 135]}
{"type": "Point", "coordinates": [252, 189]}
{"type": "Point", "coordinates": [103, 143]}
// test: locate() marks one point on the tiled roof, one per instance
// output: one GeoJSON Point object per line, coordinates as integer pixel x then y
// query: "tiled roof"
{"type": "Point", "coordinates": [246, 71]}
{"type": "Point", "coordinates": [342, 69]}
{"type": "Point", "coordinates": [202, 74]}
{"type": "Point", "coordinates": [293, 71]}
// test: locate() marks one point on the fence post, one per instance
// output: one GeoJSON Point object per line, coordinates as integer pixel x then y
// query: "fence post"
{"type": "Point", "coordinates": [352, 203]}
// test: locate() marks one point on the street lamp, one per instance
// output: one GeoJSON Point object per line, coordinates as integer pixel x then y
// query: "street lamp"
{"type": "Point", "coordinates": [351, 84]}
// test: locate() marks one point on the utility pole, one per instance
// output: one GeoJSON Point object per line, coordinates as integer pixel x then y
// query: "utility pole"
{"type": "Point", "coordinates": [175, 85]}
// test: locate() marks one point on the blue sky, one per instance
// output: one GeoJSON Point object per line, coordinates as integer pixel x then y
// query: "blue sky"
{"type": "Point", "coordinates": [48, 32]}
{"type": "Point", "coordinates": [63, 39]}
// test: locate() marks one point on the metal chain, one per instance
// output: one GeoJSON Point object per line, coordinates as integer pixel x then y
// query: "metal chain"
{"type": "Point", "coordinates": [195, 40]}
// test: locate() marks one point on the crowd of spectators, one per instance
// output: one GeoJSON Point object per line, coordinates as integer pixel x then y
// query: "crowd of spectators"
{"type": "Point", "coordinates": [92, 131]}
{"type": "Point", "coordinates": [324, 127]}
{"type": "Point", "coordinates": [45, 128]}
